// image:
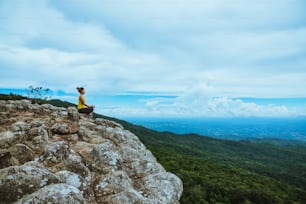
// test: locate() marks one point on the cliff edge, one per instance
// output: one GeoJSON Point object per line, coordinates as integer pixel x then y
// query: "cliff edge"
{"type": "Point", "coordinates": [55, 155]}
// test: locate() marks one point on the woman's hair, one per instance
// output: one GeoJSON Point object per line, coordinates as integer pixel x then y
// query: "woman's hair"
{"type": "Point", "coordinates": [80, 89]}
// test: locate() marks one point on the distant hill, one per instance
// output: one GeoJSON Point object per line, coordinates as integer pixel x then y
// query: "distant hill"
{"type": "Point", "coordinates": [223, 171]}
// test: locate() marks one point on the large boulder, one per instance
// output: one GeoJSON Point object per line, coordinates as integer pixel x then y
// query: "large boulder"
{"type": "Point", "coordinates": [37, 137]}
{"type": "Point", "coordinates": [60, 128]}
{"type": "Point", "coordinates": [73, 114]}
{"type": "Point", "coordinates": [111, 183]}
{"type": "Point", "coordinates": [8, 138]}
{"type": "Point", "coordinates": [73, 179]}
{"type": "Point", "coordinates": [55, 152]}
{"type": "Point", "coordinates": [55, 194]}
{"type": "Point", "coordinates": [16, 181]}
{"type": "Point", "coordinates": [169, 193]}
{"type": "Point", "coordinates": [56, 155]}
{"type": "Point", "coordinates": [22, 153]}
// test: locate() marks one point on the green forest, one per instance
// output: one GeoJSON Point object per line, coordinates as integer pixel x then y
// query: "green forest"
{"type": "Point", "coordinates": [223, 171]}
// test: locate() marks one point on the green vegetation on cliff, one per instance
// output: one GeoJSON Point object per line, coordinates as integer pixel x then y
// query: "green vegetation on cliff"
{"type": "Point", "coordinates": [222, 171]}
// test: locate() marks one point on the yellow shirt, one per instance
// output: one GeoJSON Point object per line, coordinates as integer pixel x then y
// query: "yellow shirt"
{"type": "Point", "coordinates": [81, 103]}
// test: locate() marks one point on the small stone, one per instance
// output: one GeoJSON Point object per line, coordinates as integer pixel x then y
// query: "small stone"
{"type": "Point", "coordinates": [38, 143]}
{"type": "Point", "coordinates": [55, 152]}
{"type": "Point", "coordinates": [8, 138]}
{"type": "Point", "coordinates": [37, 131]}
{"type": "Point", "coordinates": [60, 128]}
{"type": "Point", "coordinates": [73, 114]}
{"type": "Point", "coordinates": [74, 138]}
{"type": "Point", "coordinates": [20, 126]}
{"type": "Point", "coordinates": [22, 153]}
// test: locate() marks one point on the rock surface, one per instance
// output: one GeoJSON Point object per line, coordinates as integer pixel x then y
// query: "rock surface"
{"type": "Point", "coordinates": [55, 155]}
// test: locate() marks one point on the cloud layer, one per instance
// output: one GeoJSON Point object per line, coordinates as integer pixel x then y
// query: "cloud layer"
{"type": "Point", "coordinates": [207, 53]}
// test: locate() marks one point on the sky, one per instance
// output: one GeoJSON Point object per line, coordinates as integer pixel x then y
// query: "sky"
{"type": "Point", "coordinates": [153, 58]}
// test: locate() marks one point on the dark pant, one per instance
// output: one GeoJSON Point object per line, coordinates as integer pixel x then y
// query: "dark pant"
{"type": "Point", "coordinates": [86, 110]}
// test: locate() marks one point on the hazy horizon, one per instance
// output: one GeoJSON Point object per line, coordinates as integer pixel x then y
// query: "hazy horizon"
{"type": "Point", "coordinates": [230, 128]}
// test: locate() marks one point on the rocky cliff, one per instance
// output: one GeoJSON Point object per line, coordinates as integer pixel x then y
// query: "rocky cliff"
{"type": "Point", "coordinates": [55, 155]}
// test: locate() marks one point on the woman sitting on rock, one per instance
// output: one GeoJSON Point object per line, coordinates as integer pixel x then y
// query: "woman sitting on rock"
{"type": "Point", "coordinates": [82, 106]}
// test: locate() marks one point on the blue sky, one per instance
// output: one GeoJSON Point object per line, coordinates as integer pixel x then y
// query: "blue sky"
{"type": "Point", "coordinates": [167, 58]}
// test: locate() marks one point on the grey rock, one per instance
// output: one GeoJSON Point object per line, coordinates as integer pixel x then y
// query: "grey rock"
{"type": "Point", "coordinates": [139, 163]}
{"type": "Point", "coordinates": [27, 102]}
{"type": "Point", "coordinates": [37, 109]}
{"type": "Point", "coordinates": [48, 108]}
{"type": "Point", "coordinates": [73, 179]}
{"type": "Point", "coordinates": [22, 104]}
{"type": "Point", "coordinates": [76, 159]}
{"type": "Point", "coordinates": [36, 131]}
{"type": "Point", "coordinates": [60, 128]}
{"type": "Point", "coordinates": [85, 116]}
{"type": "Point", "coordinates": [37, 137]}
{"type": "Point", "coordinates": [74, 163]}
{"type": "Point", "coordinates": [86, 134]}
{"type": "Point", "coordinates": [38, 143]}
{"type": "Point", "coordinates": [73, 114]}
{"type": "Point", "coordinates": [55, 194]}
{"type": "Point", "coordinates": [37, 123]}
{"type": "Point", "coordinates": [8, 138]}
{"type": "Point", "coordinates": [9, 107]}
{"type": "Point", "coordinates": [111, 183]}
{"type": "Point", "coordinates": [106, 158]}
{"type": "Point", "coordinates": [162, 187]}
{"type": "Point", "coordinates": [20, 126]}
{"type": "Point", "coordinates": [89, 124]}
{"type": "Point", "coordinates": [129, 196]}
{"type": "Point", "coordinates": [22, 153]}
{"type": "Point", "coordinates": [3, 106]}
{"type": "Point", "coordinates": [55, 152]}
{"type": "Point", "coordinates": [16, 181]}
{"type": "Point", "coordinates": [107, 123]}
{"type": "Point", "coordinates": [4, 115]}
{"type": "Point", "coordinates": [59, 113]}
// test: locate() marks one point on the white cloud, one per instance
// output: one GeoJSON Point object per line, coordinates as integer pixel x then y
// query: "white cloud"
{"type": "Point", "coordinates": [78, 53]}
{"type": "Point", "coordinates": [206, 52]}
{"type": "Point", "coordinates": [236, 107]}
{"type": "Point", "coordinates": [201, 102]}
{"type": "Point", "coordinates": [202, 107]}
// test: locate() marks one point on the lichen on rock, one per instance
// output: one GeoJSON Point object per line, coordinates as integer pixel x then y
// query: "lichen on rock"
{"type": "Point", "coordinates": [56, 155]}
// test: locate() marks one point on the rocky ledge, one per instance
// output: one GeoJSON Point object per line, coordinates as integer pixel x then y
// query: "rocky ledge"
{"type": "Point", "coordinates": [54, 155]}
